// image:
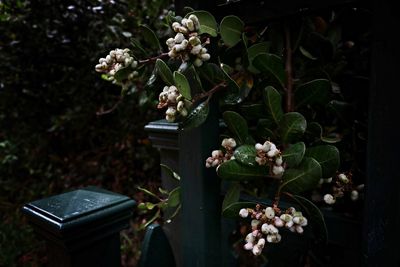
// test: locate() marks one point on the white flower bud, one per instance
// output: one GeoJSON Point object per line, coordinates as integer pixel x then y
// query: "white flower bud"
{"type": "Point", "coordinates": [195, 21]}
{"type": "Point", "coordinates": [102, 60]}
{"type": "Point", "coordinates": [183, 30]}
{"type": "Point", "coordinates": [269, 212]}
{"type": "Point", "coordinates": [228, 143]}
{"type": "Point", "coordinates": [190, 25]}
{"type": "Point", "coordinates": [304, 221]}
{"type": "Point", "coordinates": [261, 242]}
{"type": "Point", "coordinates": [343, 178]}
{"type": "Point", "coordinates": [299, 229]}
{"type": "Point", "coordinates": [170, 118]}
{"type": "Point", "coordinates": [175, 26]}
{"type": "Point", "coordinates": [360, 187]}
{"type": "Point", "coordinates": [286, 217]}
{"type": "Point", "coordinates": [279, 161]}
{"type": "Point", "coordinates": [171, 111]}
{"type": "Point", "coordinates": [329, 199]}
{"type": "Point", "coordinates": [184, 22]}
{"type": "Point", "coordinates": [264, 228]}
{"type": "Point", "coordinates": [184, 43]}
{"type": "Point", "coordinates": [134, 64]}
{"type": "Point", "coordinates": [172, 53]}
{"type": "Point", "coordinates": [108, 59]}
{"type": "Point", "coordinates": [196, 49]}
{"type": "Point", "coordinates": [257, 250]}
{"type": "Point", "coordinates": [243, 213]}
{"type": "Point", "coordinates": [354, 195]}
{"type": "Point", "coordinates": [184, 112]}
{"type": "Point", "coordinates": [270, 145]}
{"type": "Point", "coordinates": [179, 38]}
{"type": "Point", "coordinates": [259, 146]}
{"type": "Point", "coordinates": [215, 163]}
{"type": "Point", "coordinates": [289, 224]}
{"type": "Point", "coordinates": [260, 161]}
{"type": "Point", "coordinates": [217, 154]}
{"type": "Point", "coordinates": [328, 180]}
{"type": "Point", "coordinates": [274, 238]}
{"type": "Point", "coordinates": [277, 170]}
{"type": "Point", "coordinates": [248, 246]}
{"type": "Point", "coordinates": [254, 223]}
{"type": "Point", "coordinates": [203, 50]}
{"type": "Point", "coordinates": [250, 238]}
{"type": "Point", "coordinates": [272, 153]}
{"type": "Point", "coordinates": [194, 40]}
{"type": "Point", "coordinates": [205, 57]}
{"type": "Point", "coordinates": [198, 62]}
{"type": "Point", "coordinates": [170, 42]}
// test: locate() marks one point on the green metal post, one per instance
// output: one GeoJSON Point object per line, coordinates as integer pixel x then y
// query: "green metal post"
{"type": "Point", "coordinates": [81, 228]}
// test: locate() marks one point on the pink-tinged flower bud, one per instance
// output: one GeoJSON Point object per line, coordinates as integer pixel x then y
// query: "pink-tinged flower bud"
{"type": "Point", "coordinates": [255, 233]}
{"type": "Point", "coordinates": [277, 170]}
{"type": "Point", "coordinates": [243, 213]}
{"type": "Point", "coordinates": [278, 222]}
{"type": "Point", "coordinates": [250, 238]}
{"type": "Point", "coordinates": [257, 250]}
{"type": "Point", "coordinates": [215, 163]}
{"type": "Point", "coordinates": [260, 161]}
{"type": "Point", "coordinates": [299, 229]}
{"type": "Point", "coordinates": [248, 246]}
{"type": "Point", "coordinates": [228, 143]}
{"type": "Point", "coordinates": [329, 199]}
{"type": "Point", "coordinates": [258, 215]}
{"type": "Point", "coordinates": [269, 212]}
{"type": "Point", "coordinates": [292, 229]}
{"type": "Point", "coordinates": [289, 224]}
{"type": "Point", "coordinates": [354, 195]}
{"type": "Point", "coordinates": [217, 153]}
{"type": "Point", "coordinates": [258, 146]}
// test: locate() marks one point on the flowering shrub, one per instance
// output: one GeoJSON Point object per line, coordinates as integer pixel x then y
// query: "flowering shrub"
{"type": "Point", "coordinates": [280, 99]}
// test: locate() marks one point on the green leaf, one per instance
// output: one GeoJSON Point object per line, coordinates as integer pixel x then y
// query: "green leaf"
{"type": "Point", "coordinates": [231, 29]}
{"type": "Point", "coordinates": [237, 125]}
{"type": "Point", "coordinates": [144, 190]}
{"type": "Point", "coordinates": [315, 218]}
{"type": "Point", "coordinates": [307, 54]}
{"type": "Point", "coordinates": [232, 94]}
{"type": "Point", "coordinates": [314, 129]}
{"type": "Point", "coordinates": [208, 24]}
{"type": "Point", "coordinates": [271, 64]}
{"type": "Point", "coordinates": [253, 111]}
{"type": "Point", "coordinates": [150, 205]}
{"type": "Point", "coordinates": [150, 37]}
{"type": "Point", "coordinates": [232, 195]}
{"type": "Point", "coordinates": [182, 84]}
{"type": "Point", "coordinates": [246, 154]}
{"type": "Point", "coordinates": [313, 92]}
{"type": "Point", "coordinates": [273, 101]}
{"type": "Point", "coordinates": [264, 127]}
{"type": "Point", "coordinates": [303, 178]}
{"type": "Point", "coordinates": [294, 154]}
{"type": "Point", "coordinates": [292, 127]}
{"type": "Point", "coordinates": [232, 210]}
{"type": "Point", "coordinates": [164, 72]}
{"type": "Point", "coordinates": [174, 198]}
{"type": "Point", "coordinates": [232, 170]}
{"type": "Point", "coordinates": [342, 110]}
{"type": "Point", "coordinates": [168, 171]}
{"type": "Point", "coordinates": [196, 117]}
{"type": "Point", "coordinates": [122, 74]}
{"type": "Point", "coordinates": [327, 156]}
{"type": "Point", "coordinates": [253, 51]}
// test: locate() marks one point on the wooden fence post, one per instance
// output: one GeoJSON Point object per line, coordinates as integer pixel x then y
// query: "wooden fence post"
{"type": "Point", "coordinates": [81, 227]}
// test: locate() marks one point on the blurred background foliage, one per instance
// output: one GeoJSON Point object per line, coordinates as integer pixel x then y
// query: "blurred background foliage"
{"type": "Point", "coordinates": [51, 139]}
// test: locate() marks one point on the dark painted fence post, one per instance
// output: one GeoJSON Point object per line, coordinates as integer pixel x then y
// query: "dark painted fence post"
{"type": "Point", "coordinates": [81, 228]}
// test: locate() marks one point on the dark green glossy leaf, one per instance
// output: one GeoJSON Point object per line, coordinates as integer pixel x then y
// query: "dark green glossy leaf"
{"type": "Point", "coordinates": [313, 92]}
{"type": "Point", "coordinates": [327, 156]}
{"type": "Point", "coordinates": [273, 101]}
{"type": "Point", "coordinates": [232, 211]}
{"type": "Point", "coordinates": [246, 154]}
{"type": "Point", "coordinates": [342, 110]}
{"type": "Point", "coordinates": [174, 198]}
{"type": "Point", "coordinates": [231, 29]}
{"type": "Point", "coordinates": [122, 74]}
{"type": "Point", "coordinates": [253, 111]}
{"type": "Point", "coordinates": [196, 117]}
{"type": "Point", "coordinates": [182, 84]}
{"type": "Point", "coordinates": [264, 127]}
{"type": "Point", "coordinates": [234, 171]}
{"type": "Point", "coordinates": [292, 127]}
{"type": "Point", "coordinates": [272, 65]}
{"type": "Point", "coordinates": [253, 51]}
{"type": "Point", "coordinates": [237, 125]}
{"type": "Point", "coordinates": [294, 154]}
{"type": "Point", "coordinates": [314, 129]}
{"type": "Point", "coordinates": [164, 72]}
{"type": "Point", "coordinates": [208, 24]}
{"type": "Point", "coordinates": [315, 218]}
{"type": "Point", "coordinates": [150, 37]}
{"type": "Point", "coordinates": [232, 94]}
{"type": "Point", "coordinates": [232, 195]}
{"type": "Point", "coordinates": [303, 178]}
{"type": "Point", "coordinates": [168, 171]}
{"type": "Point", "coordinates": [212, 73]}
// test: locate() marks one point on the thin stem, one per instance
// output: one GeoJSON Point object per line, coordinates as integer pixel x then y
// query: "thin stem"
{"type": "Point", "coordinates": [104, 112]}
{"type": "Point", "coordinates": [209, 93]}
{"type": "Point", "coordinates": [289, 71]}
{"type": "Point", "coordinates": [144, 61]}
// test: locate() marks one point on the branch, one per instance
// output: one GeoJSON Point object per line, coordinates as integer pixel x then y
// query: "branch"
{"type": "Point", "coordinates": [289, 71]}
{"type": "Point", "coordinates": [104, 112]}
{"type": "Point", "coordinates": [144, 61]}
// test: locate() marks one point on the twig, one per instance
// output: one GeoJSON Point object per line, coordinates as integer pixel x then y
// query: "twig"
{"type": "Point", "coordinates": [144, 61]}
{"type": "Point", "coordinates": [104, 112]}
{"type": "Point", "coordinates": [289, 71]}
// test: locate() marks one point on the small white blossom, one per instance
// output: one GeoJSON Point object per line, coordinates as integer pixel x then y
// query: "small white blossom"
{"type": "Point", "coordinates": [269, 212]}
{"type": "Point", "coordinates": [277, 170]}
{"type": "Point", "coordinates": [343, 178]}
{"type": "Point", "coordinates": [248, 246]}
{"type": "Point", "coordinates": [329, 199]}
{"type": "Point", "coordinates": [354, 195]}
{"type": "Point", "coordinates": [257, 250]}
{"type": "Point", "coordinates": [244, 213]}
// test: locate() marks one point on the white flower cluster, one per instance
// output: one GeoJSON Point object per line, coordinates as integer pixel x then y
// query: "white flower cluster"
{"type": "Point", "coordinates": [342, 183]}
{"type": "Point", "coordinates": [265, 224]}
{"type": "Point", "coordinates": [267, 153]}
{"type": "Point", "coordinates": [116, 60]}
{"type": "Point", "coordinates": [218, 157]}
{"type": "Point", "coordinates": [187, 41]}
{"type": "Point", "coordinates": [174, 101]}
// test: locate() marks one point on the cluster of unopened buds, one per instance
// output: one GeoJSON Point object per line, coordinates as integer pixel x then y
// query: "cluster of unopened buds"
{"type": "Point", "coordinates": [265, 225]}
{"type": "Point", "coordinates": [174, 101]}
{"type": "Point", "coordinates": [187, 41]}
{"type": "Point", "coordinates": [268, 154]}
{"type": "Point", "coordinates": [341, 184]}
{"type": "Point", "coordinates": [218, 156]}
{"type": "Point", "coordinates": [116, 60]}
